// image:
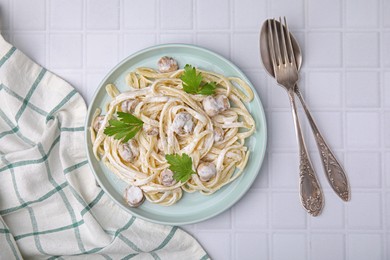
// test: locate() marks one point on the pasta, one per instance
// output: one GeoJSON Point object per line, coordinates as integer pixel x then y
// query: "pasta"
{"type": "Point", "coordinates": [211, 129]}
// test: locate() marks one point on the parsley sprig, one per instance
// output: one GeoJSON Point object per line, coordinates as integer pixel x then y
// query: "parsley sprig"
{"type": "Point", "coordinates": [192, 82]}
{"type": "Point", "coordinates": [126, 127]}
{"type": "Point", "coordinates": [181, 166]}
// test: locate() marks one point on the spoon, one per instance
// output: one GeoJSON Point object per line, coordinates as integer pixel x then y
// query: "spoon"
{"type": "Point", "coordinates": [333, 170]}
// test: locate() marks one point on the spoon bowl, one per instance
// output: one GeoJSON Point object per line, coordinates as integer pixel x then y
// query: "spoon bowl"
{"type": "Point", "coordinates": [265, 51]}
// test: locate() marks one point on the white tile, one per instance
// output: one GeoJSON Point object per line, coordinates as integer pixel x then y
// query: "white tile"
{"type": "Point", "coordinates": [385, 12]}
{"type": "Point", "coordinates": [222, 221]}
{"type": "Point", "coordinates": [252, 211]}
{"type": "Point", "coordinates": [361, 49]}
{"type": "Point", "coordinates": [387, 169]}
{"type": "Point", "coordinates": [289, 246]}
{"type": "Point", "coordinates": [251, 245]}
{"type": "Point", "coordinates": [362, 89]}
{"type": "Point", "coordinates": [365, 246]}
{"type": "Point", "coordinates": [66, 51]}
{"type": "Point", "coordinates": [134, 14]}
{"type": "Point", "coordinates": [92, 83]}
{"type": "Point", "coordinates": [102, 50]}
{"type": "Point", "coordinates": [287, 211]}
{"type": "Point", "coordinates": [132, 42]}
{"type": "Point", "coordinates": [386, 118]}
{"type": "Point", "coordinates": [366, 169]}
{"type": "Point", "coordinates": [361, 13]}
{"type": "Point", "coordinates": [364, 210]}
{"type": "Point", "coordinates": [323, 49]}
{"type": "Point", "coordinates": [103, 14]}
{"type": "Point", "coordinates": [285, 170]}
{"type": "Point", "coordinates": [208, 18]}
{"type": "Point", "coordinates": [386, 89]}
{"type": "Point", "coordinates": [332, 215]}
{"type": "Point", "coordinates": [324, 14]}
{"type": "Point", "coordinates": [245, 50]}
{"type": "Point", "coordinates": [33, 45]}
{"type": "Point", "coordinates": [283, 133]}
{"type": "Point", "coordinates": [212, 242]}
{"type": "Point", "coordinates": [249, 14]}
{"type": "Point", "coordinates": [25, 19]}
{"type": "Point", "coordinates": [176, 38]}
{"type": "Point", "coordinates": [292, 9]}
{"type": "Point", "coordinates": [324, 89]}
{"type": "Point", "coordinates": [387, 206]}
{"type": "Point", "coordinates": [330, 124]}
{"type": "Point", "coordinates": [385, 48]}
{"type": "Point", "coordinates": [66, 14]}
{"type": "Point", "coordinates": [176, 14]}
{"type": "Point", "coordinates": [363, 129]}
{"type": "Point", "coordinates": [217, 42]}
{"type": "Point", "coordinates": [321, 243]}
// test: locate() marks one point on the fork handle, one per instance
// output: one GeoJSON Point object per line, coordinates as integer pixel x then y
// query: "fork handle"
{"type": "Point", "coordinates": [333, 170]}
{"type": "Point", "coordinates": [310, 190]}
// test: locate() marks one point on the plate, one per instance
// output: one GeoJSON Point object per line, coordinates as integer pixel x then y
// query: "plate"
{"type": "Point", "coordinates": [192, 207]}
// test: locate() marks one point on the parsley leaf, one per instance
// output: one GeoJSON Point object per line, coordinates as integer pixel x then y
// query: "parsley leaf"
{"type": "Point", "coordinates": [181, 166]}
{"type": "Point", "coordinates": [125, 128]}
{"type": "Point", "coordinates": [192, 82]}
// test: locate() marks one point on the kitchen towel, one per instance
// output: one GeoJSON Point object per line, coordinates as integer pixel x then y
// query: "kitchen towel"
{"type": "Point", "coordinates": [50, 204]}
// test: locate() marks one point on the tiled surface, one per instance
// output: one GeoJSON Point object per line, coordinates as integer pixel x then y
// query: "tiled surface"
{"type": "Point", "coordinates": [345, 79]}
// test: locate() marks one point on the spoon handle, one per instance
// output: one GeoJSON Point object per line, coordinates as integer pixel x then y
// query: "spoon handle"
{"type": "Point", "coordinates": [310, 190]}
{"type": "Point", "coordinates": [333, 170]}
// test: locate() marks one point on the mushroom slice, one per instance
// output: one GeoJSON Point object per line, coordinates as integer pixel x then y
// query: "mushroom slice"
{"type": "Point", "coordinates": [166, 178]}
{"type": "Point", "coordinates": [183, 124]}
{"type": "Point", "coordinates": [206, 171]}
{"type": "Point", "coordinates": [218, 134]}
{"type": "Point", "coordinates": [128, 151]}
{"type": "Point", "coordinates": [134, 196]}
{"type": "Point", "coordinates": [222, 102]}
{"type": "Point", "coordinates": [150, 130]}
{"type": "Point", "coordinates": [128, 106]}
{"type": "Point", "coordinates": [97, 123]}
{"type": "Point", "coordinates": [210, 106]}
{"type": "Point", "coordinates": [167, 64]}
{"type": "Point", "coordinates": [215, 105]}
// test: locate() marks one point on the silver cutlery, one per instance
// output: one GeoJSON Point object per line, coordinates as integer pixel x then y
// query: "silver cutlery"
{"type": "Point", "coordinates": [333, 170]}
{"type": "Point", "coordinates": [281, 57]}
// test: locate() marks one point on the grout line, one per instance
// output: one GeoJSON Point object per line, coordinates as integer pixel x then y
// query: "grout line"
{"type": "Point", "coordinates": [382, 134]}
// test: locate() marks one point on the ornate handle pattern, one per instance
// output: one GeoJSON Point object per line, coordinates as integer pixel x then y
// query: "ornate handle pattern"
{"type": "Point", "coordinates": [311, 195]}
{"type": "Point", "coordinates": [333, 170]}
{"type": "Point", "coordinates": [310, 190]}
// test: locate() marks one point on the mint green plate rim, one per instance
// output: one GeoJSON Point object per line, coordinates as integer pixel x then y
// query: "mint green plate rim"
{"type": "Point", "coordinates": [194, 207]}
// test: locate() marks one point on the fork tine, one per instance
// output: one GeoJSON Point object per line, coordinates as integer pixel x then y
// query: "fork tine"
{"type": "Point", "coordinates": [284, 47]}
{"type": "Point", "coordinates": [271, 44]}
{"type": "Point", "coordinates": [277, 47]}
{"type": "Point", "coordinates": [289, 44]}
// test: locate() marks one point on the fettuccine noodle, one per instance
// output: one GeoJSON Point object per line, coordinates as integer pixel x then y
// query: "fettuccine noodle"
{"type": "Point", "coordinates": [160, 98]}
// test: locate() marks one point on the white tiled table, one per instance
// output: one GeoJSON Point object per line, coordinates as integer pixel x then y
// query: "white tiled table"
{"type": "Point", "coordinates": [345, 78]}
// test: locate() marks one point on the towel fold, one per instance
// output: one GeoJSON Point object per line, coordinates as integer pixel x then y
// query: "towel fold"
{"type": "Point", "coordinates": [50, 205]}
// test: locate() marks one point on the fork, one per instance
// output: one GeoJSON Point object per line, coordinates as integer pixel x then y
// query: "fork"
{"type": "Point", "coordinates": [286, 74]}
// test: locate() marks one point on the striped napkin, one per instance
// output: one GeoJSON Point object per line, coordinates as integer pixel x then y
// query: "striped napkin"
{"type": "Point", "coordinates": [50, 205]}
